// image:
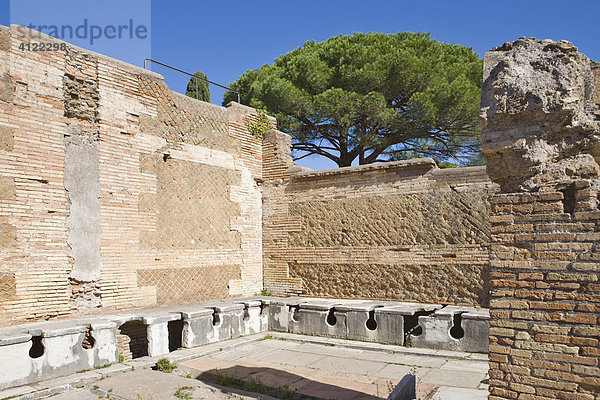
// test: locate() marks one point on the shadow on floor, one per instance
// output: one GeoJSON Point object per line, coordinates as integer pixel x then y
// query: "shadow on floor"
{"type": "Point", "coordinates": [281, 384]}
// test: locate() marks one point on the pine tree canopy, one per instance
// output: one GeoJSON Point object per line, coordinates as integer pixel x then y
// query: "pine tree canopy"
{"type": "Point", "coordinates": [372, 97]}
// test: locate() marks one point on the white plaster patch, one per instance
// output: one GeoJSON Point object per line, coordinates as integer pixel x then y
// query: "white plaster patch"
{"type": "Point", "coordinates": [158, 339]}
{"type": "Point", "coordinates": [106, 346]}
{"type": "Point", "coordinates": [61, 350]}
{"type": "Point", "coordinates": [19, 367]}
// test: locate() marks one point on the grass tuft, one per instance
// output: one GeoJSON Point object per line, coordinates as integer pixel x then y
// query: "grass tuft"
{"type": "Point", "coordinates": [165, 365]}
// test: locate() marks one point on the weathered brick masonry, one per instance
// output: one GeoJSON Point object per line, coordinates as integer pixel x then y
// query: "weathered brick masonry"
{"type": "Point", "coordinates": [405, 230]}
{"type": "Point", "coordinates": [116, 192]}
{"type": "Point", "coordinates": [541, 141]}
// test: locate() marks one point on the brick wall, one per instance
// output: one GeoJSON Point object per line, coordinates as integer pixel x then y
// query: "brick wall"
{"type": "Point", "coordinates": [404, 230]}
{"type": "Point", "coordinates": [545, 293]}
{"type": "Point", "coordinates": [541, 124]}
{"type": "Point", "coordinates": [111, 185]}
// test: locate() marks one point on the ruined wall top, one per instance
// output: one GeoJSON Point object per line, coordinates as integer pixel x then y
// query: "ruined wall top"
{"type": "Point", "coordinates": [541, 118]}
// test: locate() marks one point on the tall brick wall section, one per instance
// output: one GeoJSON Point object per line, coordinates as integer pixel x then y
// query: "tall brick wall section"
{"type": "Point", "coordinates": [403, 230]}
{"type": "Point", "coordinates": [540, 138]}
{"type": "Point", "coordinates": [116, 192]}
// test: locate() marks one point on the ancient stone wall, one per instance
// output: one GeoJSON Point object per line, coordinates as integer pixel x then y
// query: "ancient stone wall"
{"type": "Point", "coordinates": [541, 139]}
{"type": "Point", "coordinates": [116, 192]}
{"type": "Point", "coordinates": [402, 230]}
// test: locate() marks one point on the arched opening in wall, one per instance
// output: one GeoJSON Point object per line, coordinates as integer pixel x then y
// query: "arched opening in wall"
{"type": "Point", "coordinates": [132, 340]}
{"type": "Point", "coordinates": [371, 324]}
{"type": "Point", "coordinates": [246, 316]}
{"type": "Point", "coordinates": [331, 318]}
{"type": "Point", "coordinates": [175, 329]}
{"type": "Point", "coordinates": [37, 347]}
{"type": "Point", "coordinates": [216, 319]}
{"type": "Point", "coordinates": [293, 310]}
{"type": "Point", "coordinates": [457, 332]}
{"type": "Point", "coordinates": [88, 341]}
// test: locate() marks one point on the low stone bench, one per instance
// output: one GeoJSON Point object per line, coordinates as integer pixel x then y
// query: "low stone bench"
{"type": "Point", "coordinates": [281, 311]}
{"type": "Point", "coordinates": [361, 321]}
{"type": "Point", "coordinates": [158, 332]}
{"type": "Point", "coordinates": [256, 316]}
{"type": "Point", "coordinates": [47, 350]}
{"type": "Point", "coordinates": [197, 326]}
{"type": "Point", "coordinates": [455, 328]}
{"type": "Point", "coordinates": [319, 317]}
{"type": "Point", "coordinates": [395, 321]}
{"type": "Point", "coordinates": [227, 321]}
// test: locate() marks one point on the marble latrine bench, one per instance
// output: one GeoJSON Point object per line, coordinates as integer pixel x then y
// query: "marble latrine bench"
{"type": "Point", "coordinates": [415, 324]}
{"type": "Point", "coordinates": [41, 351]}
{"type": "Point", "coordinates": [38, 351]}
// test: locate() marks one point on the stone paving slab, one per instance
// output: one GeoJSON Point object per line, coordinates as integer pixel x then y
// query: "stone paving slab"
{"type": "Point", "coordinates": [359, 367]}
{"type": "Point", "coordinates": [77, 394]}
{"type": "Point", "coordinates": [404, 359]}
{"type": "Point", "coordinates": [459, 365]}
{"type": "Point", "coordinates": [12, 392]}
{"type": "Point", "coordinates": [449, 393]}
{"type": "Point", "coordinates": [393, 371]}
{"type": "Point", "coordinates": [294, 358]}
{"type": "Point", "coordinates": [462, 379]}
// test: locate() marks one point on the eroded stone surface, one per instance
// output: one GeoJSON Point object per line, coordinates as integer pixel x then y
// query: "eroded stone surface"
{"type": "Point", "coordinates": [540, 124]}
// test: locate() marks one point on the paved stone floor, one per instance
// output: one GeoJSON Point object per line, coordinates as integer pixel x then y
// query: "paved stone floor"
{"type": "Point", "coordinates": [308, 366]}
{"type": "Point", "coordinates": [329, 369]}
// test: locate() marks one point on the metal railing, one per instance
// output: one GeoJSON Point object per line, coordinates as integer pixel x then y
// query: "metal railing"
{"type": "Point", "coordinates": [193, 76]}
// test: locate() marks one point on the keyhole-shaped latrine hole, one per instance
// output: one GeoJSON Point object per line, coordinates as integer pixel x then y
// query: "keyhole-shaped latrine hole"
{"type": "Point", "coordinates": [88, 340]}
{"type": "Point", "coordinates": [331, 318]}
{"type": "Point", "coordinates": [371, 323]}
{"type": "Point", "coordinates": [411, 324]}
{"type": "Point", "coordinates": [37, 347]}
{"type": "Point", "coordinates": [457, 332]}
{"type": "Point", "coordinates": [216, 319]}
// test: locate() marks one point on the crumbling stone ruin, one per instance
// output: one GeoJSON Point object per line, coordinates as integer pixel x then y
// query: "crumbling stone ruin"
{"type": "Point", "coordinates": [541, 124]}
{"type": "Point", "coordinates": [118, 196]}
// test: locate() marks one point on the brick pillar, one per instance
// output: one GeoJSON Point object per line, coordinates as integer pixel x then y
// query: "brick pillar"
{"type": "Point", "coordinates": [278, 167]}
{"type": "Point", "coordinates": [540, 138]}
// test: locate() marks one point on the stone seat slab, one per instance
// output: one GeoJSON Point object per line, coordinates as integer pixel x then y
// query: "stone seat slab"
{"type": "Point", "coordinates": [251, 303]}
{"type": "Point", "coordinates": [194, 312]}
{"type": "Point", "coordinates": [56, 328]}
{"type": "Point", "coordinates": [318, 305]}
{"type": "Point", "coordinates": [120, 319]}
{"type": "Point", "coordinates": [226, 307]}
{"type": "Point", "coordinates": [266, 300]}
{"type": "Point", "coordinates": [364, 306]}
{"type": "Point", "coordinates": [407, 308]}
{"type": "Point", "coordinates": [157, 317]}
{"type": "Point", "coordinates": [15, 335]}
{"type": "Point", "coordinates": [477, 313]}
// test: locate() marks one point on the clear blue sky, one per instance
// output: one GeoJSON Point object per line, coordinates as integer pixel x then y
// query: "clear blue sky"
{"type": "Point", "coordinates": [224, 39]}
